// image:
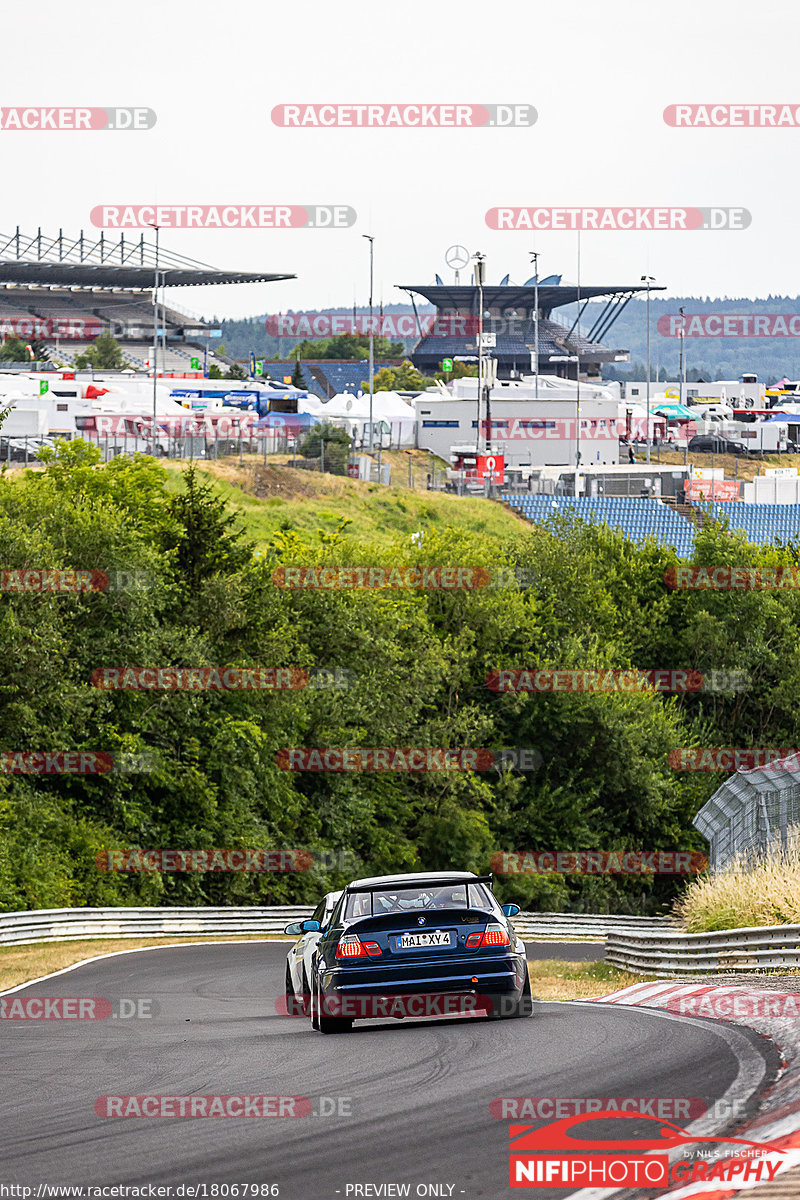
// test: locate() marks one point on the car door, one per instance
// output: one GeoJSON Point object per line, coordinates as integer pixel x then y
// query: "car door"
{"type": "Point", "coordinates": [304, 944]}
{"type": "Point", "coordinates": [329, 903]}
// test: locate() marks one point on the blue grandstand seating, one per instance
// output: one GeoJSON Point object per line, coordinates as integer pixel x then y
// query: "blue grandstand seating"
{"type": "Point", "coordinates": [762, 524]}
{"type": "Point", "coordinates": [637, 518]}
{"type": "Point", "coordinates": [342, 376]}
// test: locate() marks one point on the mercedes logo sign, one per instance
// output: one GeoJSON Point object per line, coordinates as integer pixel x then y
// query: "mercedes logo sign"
{"type": "Point", "coordinates": [457, 257]}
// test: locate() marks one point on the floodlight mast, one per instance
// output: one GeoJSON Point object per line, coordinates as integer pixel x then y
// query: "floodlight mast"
{"type": "Point", "coordinates": [480, 276]}
{"type": "Point", "coordinates": [371, 241]}
{"type": "Point", "coordinates": [155, 343]}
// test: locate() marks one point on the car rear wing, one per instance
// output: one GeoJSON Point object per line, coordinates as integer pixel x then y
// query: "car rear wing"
{"type": "Point", "coordinates": [395, 886]}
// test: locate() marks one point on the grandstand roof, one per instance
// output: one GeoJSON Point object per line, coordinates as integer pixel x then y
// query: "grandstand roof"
{"type": "Point", "coordinates": [506, 296]}
{"type": "Point", "coordinates": [94, 261]}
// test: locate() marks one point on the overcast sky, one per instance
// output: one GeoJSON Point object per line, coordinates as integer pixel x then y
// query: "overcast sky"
{"type": "Point", "coordinates": [598, 74]}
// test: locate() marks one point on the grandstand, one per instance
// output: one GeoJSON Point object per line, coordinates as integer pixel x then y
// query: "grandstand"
{"type": "Point", "coordinates": [636, 518]}
{"type": "Point", "coordinates": [328, 377]}
{"type": "Point", "coordinates": [509, 314]}
{"type": "Point", "coordinates": [762, 524]}
{"type": "Point", "coordinates": [63, 292]}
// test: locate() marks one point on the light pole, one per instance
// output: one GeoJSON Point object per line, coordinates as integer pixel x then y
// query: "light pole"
{"type": "Point", "coordinates": [578, 380]}
{"type": "Point", "coordinates": [155, 343]}
{"type": "Point", "coordinates": [371, 241]}
{"type": "Point", "coordinates": [683, 356]}
{"type": "Point", "coordinates": [648, 279]}
{"type": "Point", "coordinates": [534, 255]}
{"type": "Point", "coordinates": [480, 268]}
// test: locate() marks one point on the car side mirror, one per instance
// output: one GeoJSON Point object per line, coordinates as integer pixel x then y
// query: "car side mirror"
{"type": "Point", "coordinates": [511, 910]}
{"type": "Point", "coordinates": [297, 928]}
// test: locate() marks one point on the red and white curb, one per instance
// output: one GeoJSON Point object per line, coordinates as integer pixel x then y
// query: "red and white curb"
{"type": "Point", "coordinates": [775, 1015]}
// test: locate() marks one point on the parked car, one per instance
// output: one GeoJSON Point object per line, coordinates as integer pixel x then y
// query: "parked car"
{"type": "Point", "coordinates": [708, 443]}
{"type": "Point", "coordinates": [298, 961]}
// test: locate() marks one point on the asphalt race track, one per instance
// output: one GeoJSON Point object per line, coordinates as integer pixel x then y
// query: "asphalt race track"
{"type": "Point", "coordinates": [419, 1092]}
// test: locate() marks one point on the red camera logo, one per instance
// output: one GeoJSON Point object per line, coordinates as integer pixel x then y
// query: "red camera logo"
{"type": "Point", "coordinates": [553, 1156]}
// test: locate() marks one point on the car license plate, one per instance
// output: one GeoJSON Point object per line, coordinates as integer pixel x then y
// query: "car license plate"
{"type": "Point", "coordinates": [424, 941]}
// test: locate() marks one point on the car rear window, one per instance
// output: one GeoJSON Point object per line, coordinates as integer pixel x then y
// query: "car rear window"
{"type": "Point", "coordinates": [418, 899]}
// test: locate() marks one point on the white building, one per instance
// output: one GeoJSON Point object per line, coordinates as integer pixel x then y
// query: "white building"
{"type": "Point", "coordinates": [530, 433]}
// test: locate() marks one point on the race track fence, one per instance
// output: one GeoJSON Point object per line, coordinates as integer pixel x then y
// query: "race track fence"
{"type": "Point", "coordinates": [665, 953]}
{"type": "Point", "coordinates": [91, 924]}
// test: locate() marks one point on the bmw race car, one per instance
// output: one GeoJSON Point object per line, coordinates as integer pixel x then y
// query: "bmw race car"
{"type": "Point", "coordinates": [298, 962]}
{"type": "Point", "coordinates": [417, 940]}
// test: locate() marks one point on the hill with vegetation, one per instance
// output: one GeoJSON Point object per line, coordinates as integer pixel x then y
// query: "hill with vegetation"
{"type": "Point", "coordinates": [192, 556]}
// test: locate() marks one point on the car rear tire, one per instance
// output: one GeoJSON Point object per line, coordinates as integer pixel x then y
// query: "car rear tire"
{"type": "Point", "coordinates": [305, 995]}
{"type": "Point", "coordinates": [505, 1009]}
{"type": "Point", "coordinates": [293, 1003]}
{"type": "Point", "coordinates": [326, 1024]}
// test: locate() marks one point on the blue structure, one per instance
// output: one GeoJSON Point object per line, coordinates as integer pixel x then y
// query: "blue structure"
{"type": "Point", "coordinates": [762, 524]}
{"type": "Point", "coordinates": [636, 518]}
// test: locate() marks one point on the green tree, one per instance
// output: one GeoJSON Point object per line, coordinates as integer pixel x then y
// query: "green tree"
{"type": "Point", "coordinates": [14, 350]}
{"type": "Point", "coordinates": [405, 378]}
{"type": "Point", "coordinates": [209, 539]}
{"type": "Point", "coordinates": [104, 353]}
{"type": "Point", "coordinates": [236, 371]}
{"type": "Point", "coordinates": [349, 346]}
{"type": "Point", "coordinates": [298, 378]}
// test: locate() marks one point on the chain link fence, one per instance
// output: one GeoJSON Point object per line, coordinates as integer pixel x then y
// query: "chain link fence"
{"type": "Point", "coordinates": [752, 813]}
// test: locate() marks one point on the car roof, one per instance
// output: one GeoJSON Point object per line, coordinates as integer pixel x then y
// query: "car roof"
{"type": "Point", "coordinates": [419, 877]}
{"type": "Point", "coordinates": [332, 897]}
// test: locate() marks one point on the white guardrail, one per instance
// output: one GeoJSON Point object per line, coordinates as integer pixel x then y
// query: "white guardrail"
{"type": "Point", "coordinates": [68, 924]}
{"type": "Point", "coordinates": [666, 953]}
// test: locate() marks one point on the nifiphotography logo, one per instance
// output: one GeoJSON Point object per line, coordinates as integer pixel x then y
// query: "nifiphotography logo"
{"type": "Point", "coordinates": [554, 1156]}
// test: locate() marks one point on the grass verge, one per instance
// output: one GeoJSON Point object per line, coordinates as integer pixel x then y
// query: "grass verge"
{"type": "Point", "coordinates": [557, 979]}
{"type": "Point", "coordinates": [18, 964]}
{"type": "Point", "coordinates": [278, 496]}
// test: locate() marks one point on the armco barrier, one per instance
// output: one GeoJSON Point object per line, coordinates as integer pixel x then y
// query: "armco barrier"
{"type": "Point", "coordinates": [665, 953]}
{"type": "Point", "coordinates": [67, 924]}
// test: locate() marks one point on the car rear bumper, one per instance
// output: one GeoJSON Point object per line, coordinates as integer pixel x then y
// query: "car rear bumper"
{"type": "Point", "coordinates": [492, 976]}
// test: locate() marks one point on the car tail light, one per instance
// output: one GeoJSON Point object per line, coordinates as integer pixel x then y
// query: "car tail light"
{"type": "Point", "coordinates": [492, 935]}
{"type": "Point", "coordinates": [352, 947]}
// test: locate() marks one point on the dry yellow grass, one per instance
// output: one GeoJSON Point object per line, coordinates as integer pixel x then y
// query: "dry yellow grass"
{"type": "Point", "coordinates": [749, 891]}
{"type": "Point", "coordinates": [557, 979]}
{"type": "Point", "coordinates": [18, 964]}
